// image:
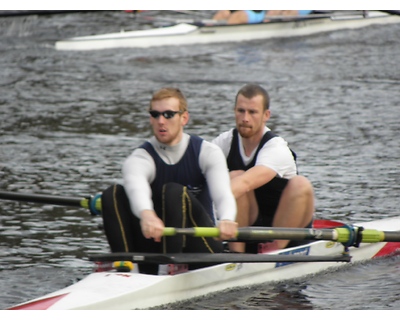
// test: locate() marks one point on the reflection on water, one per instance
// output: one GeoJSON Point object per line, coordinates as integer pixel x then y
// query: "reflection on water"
{"type": "Point", "coordinates": [69, 119]}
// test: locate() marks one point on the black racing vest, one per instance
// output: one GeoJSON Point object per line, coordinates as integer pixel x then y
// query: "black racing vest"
{"type": "Point", "coordinates": [186, 172]}
{"type": "Point", "coordinates": [267, 195]}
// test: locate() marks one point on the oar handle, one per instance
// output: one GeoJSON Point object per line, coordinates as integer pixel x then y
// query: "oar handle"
{"type": "Point", "coordinates": [195, 232]}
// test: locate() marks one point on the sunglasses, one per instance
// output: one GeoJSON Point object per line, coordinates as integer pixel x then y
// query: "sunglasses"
{"type": "Point", "coordinates": [166, 114]}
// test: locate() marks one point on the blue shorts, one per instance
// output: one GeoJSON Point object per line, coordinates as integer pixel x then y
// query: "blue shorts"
{"type": "Point", "coordinates": [255, 17]}
{"type": "Point", "coordinates": [304, 12]}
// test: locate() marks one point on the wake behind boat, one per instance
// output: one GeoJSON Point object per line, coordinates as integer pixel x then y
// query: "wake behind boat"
{"type": "Point", "coordinates": [204, 32]}
{"type": "Point", "coordinates": [133, 290]}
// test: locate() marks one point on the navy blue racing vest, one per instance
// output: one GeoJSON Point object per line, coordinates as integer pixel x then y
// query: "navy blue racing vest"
{"type": "Point", "coordinates": [186, 172]}
{"type": "Point", "coordinates": [268, 195]}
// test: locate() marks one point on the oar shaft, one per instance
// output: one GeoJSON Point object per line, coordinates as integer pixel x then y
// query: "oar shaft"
{"type": "Point", "coordinates": [261, 234]}
{"type": "Point", "coordinates": [372, 236]}
{"type": "Point", "coordinates": [346, 235]}
{"type": "Point", "coordinates": [63, 201]}
{"type": "Point", "coordinates": [368, 235]}
{"type": "Point", "coordinates": [49, 199]}
{"type": "Point", "coordinates": [286, 233]}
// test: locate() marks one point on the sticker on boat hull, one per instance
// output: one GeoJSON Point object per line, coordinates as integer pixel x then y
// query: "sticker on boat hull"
{"type": "Point", "coordinates": [230, 267]}
{"type": "Point", "coordinates": [330, 244]}
{"type": "Point", "coordinates": [295, 252]}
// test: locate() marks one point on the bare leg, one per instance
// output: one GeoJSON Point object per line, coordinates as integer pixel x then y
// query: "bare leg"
{"type": "Point", "coordinates": [238, 17]}
{"type": "Point", "coordinates": [247, 211]}
{"type": "Point", "coordinates": [295, 209]}
{"type": "Point", "coordinates": [222, 15]}
{"type": "Point", "coordinates": [280, 13]}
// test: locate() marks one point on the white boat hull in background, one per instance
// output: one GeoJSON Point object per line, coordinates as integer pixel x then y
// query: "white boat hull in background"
{"type": "Point", "coordinates": [188, 34]}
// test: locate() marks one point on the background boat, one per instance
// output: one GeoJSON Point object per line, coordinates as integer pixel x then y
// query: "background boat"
{"type": "Point", "coordinates": [70, 118]}
{"type": "Point", "coordinates": [195, 31]}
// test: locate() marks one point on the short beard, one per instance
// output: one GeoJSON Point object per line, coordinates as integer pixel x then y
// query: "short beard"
{"type": "Point", "coordinates": [245, 134]}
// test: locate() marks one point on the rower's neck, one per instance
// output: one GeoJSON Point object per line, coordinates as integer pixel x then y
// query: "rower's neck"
{"type": "Point", "coordinates": [250, 144]}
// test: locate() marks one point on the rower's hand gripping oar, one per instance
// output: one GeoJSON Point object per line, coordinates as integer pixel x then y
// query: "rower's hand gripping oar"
{"type": "Point", "coordinates": [93, 203]}
{"type": "Point", "coordinates": [347, 235]}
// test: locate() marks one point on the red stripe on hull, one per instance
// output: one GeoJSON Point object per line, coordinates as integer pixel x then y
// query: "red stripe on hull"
{"type": "Point", "coordinates": [42, 304]}
{"type": "Point", "coordinates": [322, 224]}
{"type": "Point", "coordinates": [389, 248]}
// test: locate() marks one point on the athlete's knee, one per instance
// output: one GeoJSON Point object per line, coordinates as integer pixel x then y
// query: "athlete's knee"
{"type": "Point", "coordinates": [222, 15]}
{"type": "Point", "coordinates": [301, 184]}
{"type": "Point", "coordinates": [238, 17]}
{"type": "Point", "coordinates": [172, 190]}
{"type": "Point", "coordinates": [301, 188]}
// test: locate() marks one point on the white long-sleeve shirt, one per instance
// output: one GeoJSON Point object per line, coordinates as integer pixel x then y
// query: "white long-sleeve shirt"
{"type": "Point", "coordinates": [139, 172]}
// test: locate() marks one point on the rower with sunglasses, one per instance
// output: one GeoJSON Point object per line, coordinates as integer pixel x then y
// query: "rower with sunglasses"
{"type": "Point", "coordinates": [171, 180]}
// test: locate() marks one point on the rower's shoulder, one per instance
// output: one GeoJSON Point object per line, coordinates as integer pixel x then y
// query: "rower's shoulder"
{"type": "Point", "coordinates": [223, 137]}
{"type": "Point", "coordinates": [209, 146]}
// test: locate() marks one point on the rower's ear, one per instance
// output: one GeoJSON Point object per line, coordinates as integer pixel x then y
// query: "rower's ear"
{"type": "Point", "coordinates": [185, 118]}
{"type": "Point", "coordinates": [267, 115]}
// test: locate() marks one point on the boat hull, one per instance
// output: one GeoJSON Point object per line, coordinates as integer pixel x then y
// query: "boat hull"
{"type": "Point", "coordinates": [187, 34]}
{"type": "Point", "coordinates": [132, 290]}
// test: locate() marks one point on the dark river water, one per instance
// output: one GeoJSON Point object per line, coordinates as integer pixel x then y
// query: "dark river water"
{"type": "Point", "coordinates": [69, 119]}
